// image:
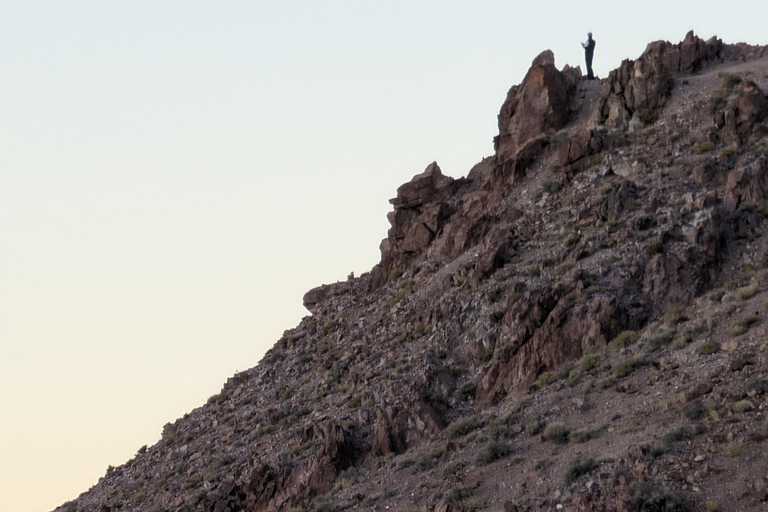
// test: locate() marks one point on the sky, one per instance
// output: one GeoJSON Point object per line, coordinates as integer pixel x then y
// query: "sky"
{"type": "Point", "coordinates": [175, 175]}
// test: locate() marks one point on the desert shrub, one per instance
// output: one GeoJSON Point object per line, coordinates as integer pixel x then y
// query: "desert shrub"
{"type": "Point", "coordinates": [464, 426]}
{"type": "Point", "coordinates": [648, 115]}
{"type": "Point", "coordinates": [495, 294]}
{"type": "Point", "coordinates": [323, 505]}
{"type": "Point", "coordinates": [564, 371]}
{"type": "Point", "coordinates": [556, 432]}
{"type": "Point", "coordinates": [742, 406]}
{"type": "Point", "coordinates": [730, 81]}
{"type": "Point", "coordinates": [652, 497]}
{"type": "Point", "coordinates": [405, 463]}
{"type": "Point", "coordinates": [676, 435]}
{"type": "Point", "coordinates": [747, 292]}
{"type": "Point", "coordinates": [571, 240]}
{"type": "Point", "coordinates": [491, 452]}
{"type": "Point", "coordinates": [679, 342]}
{"type": "Point", "coordinates": [660, 339]}
{"type": "Point", "coordinates": [716, 295]}
{"type": "Point", "coordinates": [644, 222]}
{"type": "Point", "coordinates": [553, 187]}
{"type": "Point", "coordinates": [716, 102]}
{"type": "Point", "coordinates": [624, 369]}
{"type": "Point", "coordinates": [426, 461]}
{"type": "Point", "coordinates": [702, 147]}
{"type": "Point", "coordinates": [395, 273]}
{"type": "Point", "coordinates": [748, 320]}
{"type": "Point", "coordinates": [654, 247]}
{"type": "Point", "coordinates": [496, 316]}
{"type": "Point", "coordinates": [534, 427]}
{"type": "Point", "coordinates": [458, 495]}
{"type": "Point", "coordinates": [453, 467]}
{"type": "Point", "coordinates": [734, 449]}
{"type": "Point", "coordinates": [759, 385]}
{"type": "Point", "coordinates": [467, 391]}
{"type": "Point", "coordinates": [545, 379]}
{"type": "Point", "coordinates": [582, 435]}
{"type": "Point", "coordinates": [624, 339]}
{"type": "Point", "coordinates": [708, 348]}
{"type": "Point", "coordinates": [695, 412]}
{"type": "Point", "coordinates": [577, 467]}
{"type": "Point", "coordinates": [589, 361]}
{"type": "Point", "coordinates": [573, 378]}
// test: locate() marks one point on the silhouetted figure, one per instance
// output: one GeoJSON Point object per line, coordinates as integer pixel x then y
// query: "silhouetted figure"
{"type": "Point", "coordinates": [589, 52]}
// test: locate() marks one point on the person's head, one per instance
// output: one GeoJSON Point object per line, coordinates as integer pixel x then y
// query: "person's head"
{"type": "Point", "coordinates": [589, 35]}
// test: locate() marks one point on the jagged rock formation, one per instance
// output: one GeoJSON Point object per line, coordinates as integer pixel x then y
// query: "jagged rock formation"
{"type": "Point", "coordinates": [533, 110]}
{"type": "Point", "coordinates": [575, 325]}
{"type": "Point", "coordinates": [638, 88]}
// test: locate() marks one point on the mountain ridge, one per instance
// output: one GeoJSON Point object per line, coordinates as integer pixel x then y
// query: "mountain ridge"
{"type": "Point", "coordinates": [575, 325]}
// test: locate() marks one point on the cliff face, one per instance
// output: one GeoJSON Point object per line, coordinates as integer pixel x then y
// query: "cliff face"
{"type": "Point", "coordinates": [575, 325]}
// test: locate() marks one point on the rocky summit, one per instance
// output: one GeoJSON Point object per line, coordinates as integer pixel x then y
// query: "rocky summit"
{"type": "Point", "coordinates": [576, 325]}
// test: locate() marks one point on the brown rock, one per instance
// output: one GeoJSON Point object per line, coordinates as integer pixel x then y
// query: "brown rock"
{"type": "Point", "coordinates": [644, 84]}
{"type": "Point", "coordinates": [320, 294]}
{"type": "Point", "coordinates": [743, 117]}
{"type": "Point", "coordinates": [703, 388]}
{"type": "Point", "coordinates": [545, 330]}
{"type": "Point", "coordinates": [747, 185]}
{"type": "Point", "coordinates": [703, 173]}
{"type": "Point", "coordinates": [580, 145]}
{"type": "Point", "coordinates": [533, 110]}
{"type": "Point", "coordinates": [421, 187]}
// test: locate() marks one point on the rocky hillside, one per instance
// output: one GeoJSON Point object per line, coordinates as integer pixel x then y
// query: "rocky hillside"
{"type": "Point", "coordinates": [575, 325]}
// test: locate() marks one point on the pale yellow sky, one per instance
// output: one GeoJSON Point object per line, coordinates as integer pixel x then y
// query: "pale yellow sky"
{"type": "Point", "coordinates": [175, 175]}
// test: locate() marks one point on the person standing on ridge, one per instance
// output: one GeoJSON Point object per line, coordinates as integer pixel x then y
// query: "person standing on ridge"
{"type": "Point", "coordinates": [589, 52]}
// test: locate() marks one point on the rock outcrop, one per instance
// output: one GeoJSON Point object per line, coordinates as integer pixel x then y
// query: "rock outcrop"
{"type": "Point", "coordinates": [745, 116]}
{"type": "Point", "coordinates": [532, 112]}
{"type": "Point", "coordinates": [421, 209]}
{"type": "Point", "coordinates": [747, 185]}
{"type": "Point", "coordinates": [639, 88]}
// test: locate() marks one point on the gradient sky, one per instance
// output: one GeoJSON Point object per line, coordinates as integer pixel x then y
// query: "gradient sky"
{"type": "Point", "coordinates": [174, 175]}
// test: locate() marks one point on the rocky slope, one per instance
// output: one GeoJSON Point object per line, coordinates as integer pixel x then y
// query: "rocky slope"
{"type": "Point", "coordinates": [575, 325]}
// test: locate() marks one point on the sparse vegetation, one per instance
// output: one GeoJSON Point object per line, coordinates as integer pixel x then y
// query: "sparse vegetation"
{"type": "Point", "coordinates": [557, 433]}
{"type": "Point", "coordinates": [734, 449]}
{"type": "Point", "coordinates": [652, 497]}
{"type": "Point", "coordinates": [623, 340]}
{"type": "Point", "coordinates": [552, 187]}
{"type": "Point", "coordinates": [577, 467]}
{"type": "Point", "coordinates": [453, 467]}
{"type": "Point", "coordinates": [491, 452]}
{"type": "Point", "coordinates": [464, 426]}
{"type": "Point", "coordinates": [624, 369]}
